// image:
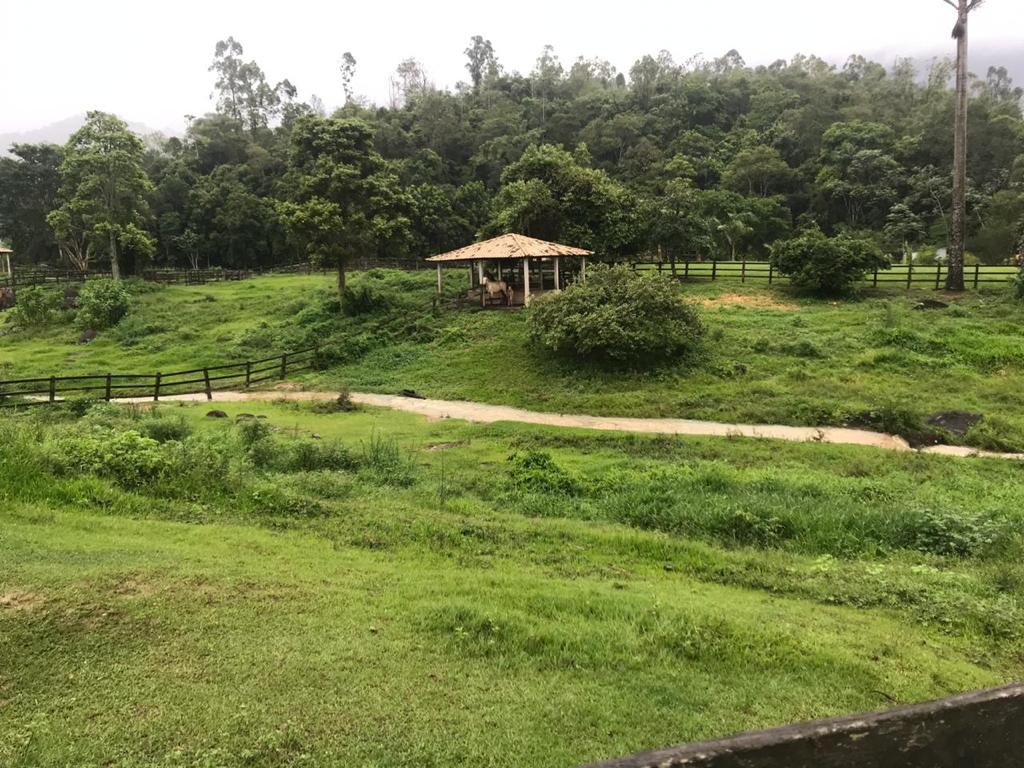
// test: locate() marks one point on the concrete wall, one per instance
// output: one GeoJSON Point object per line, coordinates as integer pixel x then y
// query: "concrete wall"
{"type": "Point", "coordinates": [984, 729]}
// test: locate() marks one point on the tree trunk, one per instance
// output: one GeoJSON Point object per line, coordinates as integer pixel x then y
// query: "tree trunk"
{"type": "Point", "coordinates": [957, 237]}
{"type": "Point", "coordinates": [115, 268]}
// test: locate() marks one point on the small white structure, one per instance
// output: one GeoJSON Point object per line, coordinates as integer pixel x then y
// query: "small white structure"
{"type": "Point", "coordinates": [6, 265]}
{"type": "Point", "coordinates": [519, 261]}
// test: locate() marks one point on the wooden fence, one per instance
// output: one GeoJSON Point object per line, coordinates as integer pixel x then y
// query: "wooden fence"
{"type": "Point", "coordinates": [194, 276]}
{"type": "Point", "coordinates": [110, 386]}
{"type": "Point", "coordinates": [907, 276]}
{"type": "Point", "coordinates": [984, 729]}
{"type": "Point", "coordinates": [29, 276]}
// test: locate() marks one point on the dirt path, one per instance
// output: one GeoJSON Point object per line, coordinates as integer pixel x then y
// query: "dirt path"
{"type": "Point", "coordinates": [483, 413]}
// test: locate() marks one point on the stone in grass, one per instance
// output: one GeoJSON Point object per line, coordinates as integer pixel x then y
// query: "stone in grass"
{"type": "Point", "coordinates": [958, 423]}
{"type": "Point", "coordinates": [87, 335]}
{"type": "Point", "coordinates": [931, 304]}
{"type": "Point", "coordinates": [215, 414]}
{"type": "Point", "coordinates": [244, 417]}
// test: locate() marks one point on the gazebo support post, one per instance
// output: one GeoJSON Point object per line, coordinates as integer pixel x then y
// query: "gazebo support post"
{"type": "Point", "coordinates": [480, 277]}
{"type": "Point", "coordinates": [526, 282]}
{"type": "Point", "coordinates": [440, 280]}
{"type": "Point", "coordinates": [558, 277]}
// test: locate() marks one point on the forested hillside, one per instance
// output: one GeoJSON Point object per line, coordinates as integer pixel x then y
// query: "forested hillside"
{"type": "Point", "coordinates": [709, 158]}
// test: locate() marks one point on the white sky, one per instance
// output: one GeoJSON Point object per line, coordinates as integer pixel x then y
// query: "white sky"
{"type": "Point", "coordinates": [147, 61]}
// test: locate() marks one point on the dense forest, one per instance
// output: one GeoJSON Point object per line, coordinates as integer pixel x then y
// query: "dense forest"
{"type": "Point", "coordinates": [714, 159]}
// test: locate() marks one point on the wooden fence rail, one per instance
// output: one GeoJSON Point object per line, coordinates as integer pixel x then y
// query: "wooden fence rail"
{"type": "Point", "coordinates": [30, 276]}
{"type": "Point", "coordinates": [109, 386]}
{"type": "Point", "coordinates": [908, 276]}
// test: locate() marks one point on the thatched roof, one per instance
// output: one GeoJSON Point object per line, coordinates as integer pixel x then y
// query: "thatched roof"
{"type": "Point", "coordinates": [5, 250]}
{"type": "Point", "coordinates": [510, 247]}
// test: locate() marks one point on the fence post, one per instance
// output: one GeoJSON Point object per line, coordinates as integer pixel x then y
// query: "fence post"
{"type": "Point", "coordinates": [53, 388]}
{"type": "Point", "coordinates": [743, 271]}
{"type": "Point", "coordinates": [771, 272]}
{"type": "Point", "coordinates": [156, 387]}
{"type": "Point", "coordinates": [874, 281]}
{"type": "Point", "coordinates": [910, 272]}
{"type": "Point", "coordinates": [686, 270]}
{"type": "Point", "coordinates": [938, 275]}
{"type": "Point", "coordinates": [977, 268]}
{"type": "Point", "coordinates": [106, 393]}
{"type": "Point", "coordinates": [206, 379]}
{"type": "Point", "coordinates": [248, 373]}
{"type": "Point", "coordinates": [284, 365]}
{"type": "Point", "coordinates": [714, 270]}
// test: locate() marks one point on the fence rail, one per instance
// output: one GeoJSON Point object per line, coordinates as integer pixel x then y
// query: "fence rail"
{"type": "Point", "coordinates": [763, 271]}
{"type": "Point", "coordinates": [24, 277]}
{"type": "Point", "coordinates": [109, 386]}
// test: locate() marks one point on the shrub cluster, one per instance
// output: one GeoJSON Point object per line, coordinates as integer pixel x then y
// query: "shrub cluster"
{"type": "Point", "coordinates": [38, 305]}
{"type": "Point", "coordinates": [827, 265]}
{"type": "Point", "coordinates": [101, 304]}
{"type": "Point", "coordinates": [617, 315]}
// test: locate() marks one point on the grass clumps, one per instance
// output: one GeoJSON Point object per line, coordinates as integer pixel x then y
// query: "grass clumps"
{"type": "Point", "coordinates": [618, 315]}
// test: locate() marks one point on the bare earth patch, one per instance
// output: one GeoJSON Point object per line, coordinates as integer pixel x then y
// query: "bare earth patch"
{"type": "Point", "coordinates": [748, 302]}
{"type": "Point", "coordinates": [21, 601]}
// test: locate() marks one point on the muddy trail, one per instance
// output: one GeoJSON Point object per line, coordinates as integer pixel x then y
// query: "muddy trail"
{"type": "Point", "coordinates": [484, 413]}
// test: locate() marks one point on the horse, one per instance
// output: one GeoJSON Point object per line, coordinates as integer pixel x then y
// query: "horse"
{"type": "Point", "coordinates": [494, 288]}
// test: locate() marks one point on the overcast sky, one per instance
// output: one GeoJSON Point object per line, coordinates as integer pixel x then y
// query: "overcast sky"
{"type": "Point", "coordinates": [147, 62]}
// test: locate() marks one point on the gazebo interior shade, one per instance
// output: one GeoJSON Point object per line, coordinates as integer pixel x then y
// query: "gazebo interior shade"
{"type": "Point", "coordinates": [510, 246]}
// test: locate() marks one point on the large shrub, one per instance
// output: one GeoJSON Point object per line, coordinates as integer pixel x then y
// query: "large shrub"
{"type": "Point", "coordinates": [101, 304]}
{"type": "Point", "coordinates": [617, 315]}
{"type": "Point", "coordinates": [38, 305]}
{"type": "Point", "coordinates": [827, 265]}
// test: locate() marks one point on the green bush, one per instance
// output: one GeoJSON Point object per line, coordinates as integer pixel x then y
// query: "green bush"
{"type": "Point", "coordinates": [537, 472]}
{"type": "Point", "coordinates": [126, 457]}
{"type": "Point", "coordinates": [38, 305]}
{"type": "Point", "coordinates": [362, 301]}
{"type": "Point", "coordinates": [101, 304]}
{"type": "Point", "coordinates": [617, 315]}
{"type": "Point", "coordinates": [827, 265]}
{"type": "Point", "coordinates": [163, 429]}
{"type": "Point", "coordinates": [957, 534]}
{"type": "Point", "coordinates": [1018, 283]}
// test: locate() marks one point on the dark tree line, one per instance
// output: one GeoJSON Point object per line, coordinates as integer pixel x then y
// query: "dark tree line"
{"type": "Point", "coordinates": [708, 158]}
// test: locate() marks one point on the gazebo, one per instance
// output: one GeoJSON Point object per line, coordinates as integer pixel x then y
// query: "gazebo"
{"type": "Point", "coordinates": [6, 267]}
{"type": "Point", "coordinates": [518, 260]}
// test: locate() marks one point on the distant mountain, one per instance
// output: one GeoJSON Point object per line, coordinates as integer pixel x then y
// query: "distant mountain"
{"type": "Point", "coordinates": [60, 132]}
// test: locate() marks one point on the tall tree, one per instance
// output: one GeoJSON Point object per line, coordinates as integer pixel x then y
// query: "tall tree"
{"type": "Point", "coordinates": [958, 235]}
{"type": "Point", "coordinates": [29, 181]}
{"type": "Point", "coordinates": [348, 71]}
{"type": "Point", "coordinates": [340, 193]}
{"type": "Point", "coordinates": [482, 61]}
{"type": "Point", "coordinates": [104, 190]}
{"type": "Point", "coordinates": [242, 89]}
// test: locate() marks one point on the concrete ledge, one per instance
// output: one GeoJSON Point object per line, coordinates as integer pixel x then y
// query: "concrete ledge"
{"type": "Point", "coordinates": [983, 729]}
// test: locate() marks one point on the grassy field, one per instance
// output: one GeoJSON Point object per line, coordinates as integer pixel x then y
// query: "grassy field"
{"type": "Point", "coordinates": [770, 356]}
{"type": "Point", "coordinates": [177, 590]}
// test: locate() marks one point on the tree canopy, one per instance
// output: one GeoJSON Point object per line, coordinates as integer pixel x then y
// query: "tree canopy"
{"type": "Point", "coordinates": [707, 158]}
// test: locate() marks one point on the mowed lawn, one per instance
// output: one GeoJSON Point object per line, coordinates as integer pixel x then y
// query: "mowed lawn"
{"type": "Point", "coordinates": [451, 594]}
{"type": "Point", "coordinates": [770, 356]}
